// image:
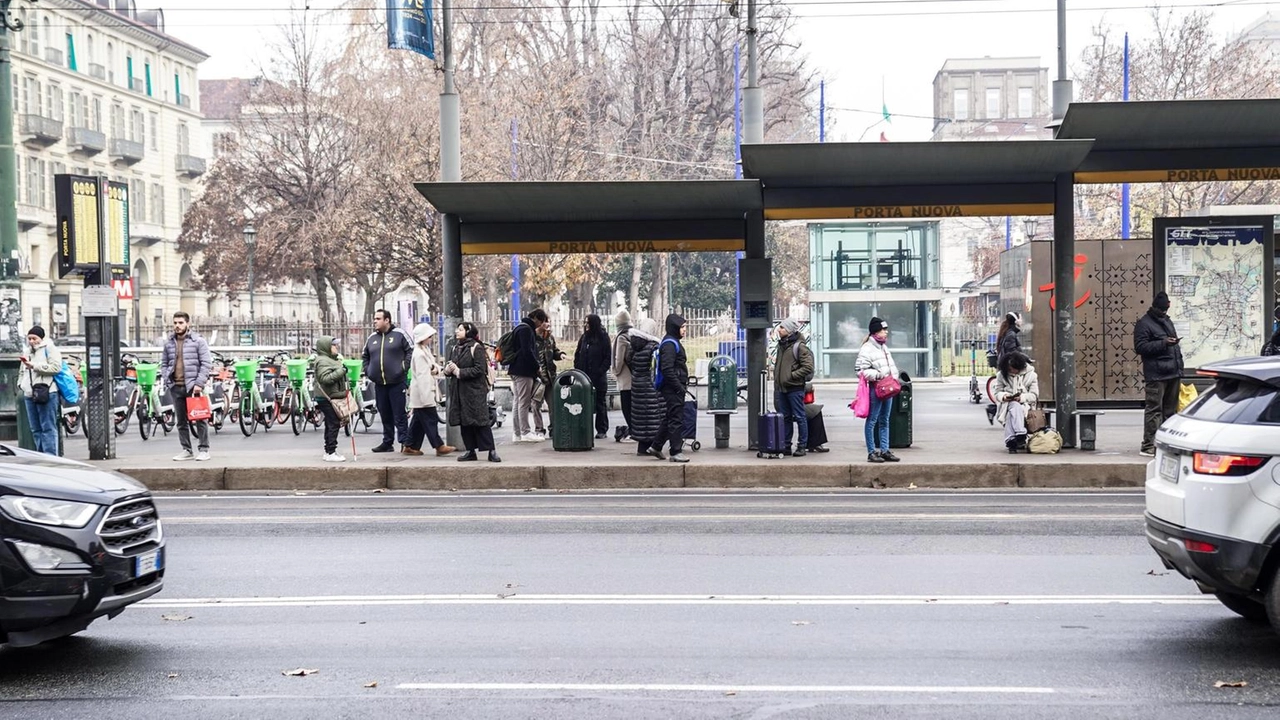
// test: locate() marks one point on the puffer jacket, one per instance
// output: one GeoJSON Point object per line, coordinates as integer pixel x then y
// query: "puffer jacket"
{"type": "Point", "coordinates": [386, 356]}
{"type": "Point", "coordinates": [794, 364]}
{"type": "Point", "coordinates": [1005, 388]}
{"type": "Point", "coordinates": [197, 362]}
{"type": "Point", "coordinates": [875, 361]}
{"type": "Point", "coordinates": [331, 375]}
{"type": "Point", "coordinates": [592, 358]}
{"type": "Point", "coordinates": [647, 407]}
{"type": "Point", "coordinates": [525, 363]}
{"type": "Point", "coordinates": [622, 358]}
{"type": "Point", "coordinates": [46, 361]}
{"type": "Point", "coordinates": [1010, 343]}
{"type": "Point", "coordinates": [469, 390]}
{"type": "Point", "coordinates": [1160, 360]}
{"type": "Point", "coordinates": [672, 359]}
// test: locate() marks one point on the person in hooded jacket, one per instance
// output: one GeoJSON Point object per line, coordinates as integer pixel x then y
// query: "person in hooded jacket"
{"type": "Point", "coordinates": [424, 394]}
{"type": "Point", "coordinates": [1157, 341]}
{"type": "Point", "coordinates": [38, 368]}
{"type": "Point", "coordinates": [332, 383]}
{"type": "Point", "coordinates": [1009, 337]}
{"type": "Point", "coordinates": [622, 369]}
{"type": "Point", "coordinates": [594, 358]}
{"type": "Point", "coordinates": [794, 370]}
{"type": "Point", "coordinates": [647, 408]}
{"type": "Point", "coordinates": [673, 366]}
{"type": "Point", "coordinates": [469, 393]}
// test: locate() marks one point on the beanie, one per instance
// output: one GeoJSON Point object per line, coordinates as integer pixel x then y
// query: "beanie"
{"type": "Point", "coordinates": [622, 318]}
{"type": "Point", "coordinates": [791, 325]}
{"type": "Point", "coordinates": [1161, 302]}
{"type": "Point", "coordinates": [877, 325]}
{"type": "Point", "coordinates": [37, 331]}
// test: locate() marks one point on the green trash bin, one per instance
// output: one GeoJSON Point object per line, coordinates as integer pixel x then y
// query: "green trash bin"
{"type": "Point", "coordinates": [573, 408]}
{"type": "Point", "coordinates": [722, 385]}
{"type": "Point", "coordinates": [900, 415]}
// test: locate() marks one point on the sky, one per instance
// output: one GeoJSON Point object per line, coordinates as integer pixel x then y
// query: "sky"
{"type": "Point", "coordinates": [868, 52]}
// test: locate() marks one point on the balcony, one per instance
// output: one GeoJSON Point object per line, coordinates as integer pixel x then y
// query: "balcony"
{"type": "Point", "coordinates": [189, 165]}
{"type": "Point", "coordinates": [127, 151]}
{"type": "Point", "coordinates": [184, 101]}
{"type": "Point", "coordinates": [53, 56]}
{"type": "Point", "coordinates": [85, 140]}
{"type": "Point", "coordinates": [137, 85]}
{"type": "Point", "coordinates": [97, 72]}
{"type": "Point", "coordinates": [39, 130]}
{"type": "Point", "coordinates": [29, 216]}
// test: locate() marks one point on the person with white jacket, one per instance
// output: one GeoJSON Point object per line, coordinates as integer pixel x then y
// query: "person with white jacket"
{"type": "Point", "coordinates": [424, 394]}
{"type": "Point", "coordinates": [875, 363]}
{"type": "Point", "coordinates": [1017, 391]}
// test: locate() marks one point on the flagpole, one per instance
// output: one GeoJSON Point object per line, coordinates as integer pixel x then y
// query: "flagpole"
{"type": "Point", "coordinates": [822, 111]}
{"type": "Point", "coordinates": [1126, 221]}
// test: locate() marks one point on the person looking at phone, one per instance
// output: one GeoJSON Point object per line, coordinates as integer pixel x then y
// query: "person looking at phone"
{"type": "Point", "coordinates": [1017, 390]}
{"type": "Point", "coordinates": [40, 363]}
{"type": "Point", "coordinates": [1156, 340]}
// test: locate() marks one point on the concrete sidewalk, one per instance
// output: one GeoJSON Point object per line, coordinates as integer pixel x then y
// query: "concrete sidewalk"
{"type": "Point", "coordinates": [953, 447]}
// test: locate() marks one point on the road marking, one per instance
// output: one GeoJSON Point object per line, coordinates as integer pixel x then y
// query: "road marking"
{"type": "Point", "coordinates": [722, 689]}
{"type": "Point", "coordinates": [571, 599]}
{"type": "Point", "coordinates": [656, 494]}
{"type": "Point", "coordinates": [772, 517]}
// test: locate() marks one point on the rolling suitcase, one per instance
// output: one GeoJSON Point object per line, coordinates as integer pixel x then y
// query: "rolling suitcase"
{"type": "Point", "coordinates": [689, 427]}
{"type": "Point", "coordinates": [772, 429]}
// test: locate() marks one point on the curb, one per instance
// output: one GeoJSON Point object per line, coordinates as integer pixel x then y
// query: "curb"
{"type": "Point", "coordinates": [484, 476]}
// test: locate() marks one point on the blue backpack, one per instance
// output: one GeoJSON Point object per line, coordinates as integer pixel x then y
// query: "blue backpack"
{"type": "Point", "coordinates": [67, 385]}
{"type": "Point", "coordinates": [657, 364]}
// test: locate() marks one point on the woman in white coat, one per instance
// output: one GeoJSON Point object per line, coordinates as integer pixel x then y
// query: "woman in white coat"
{"type": "Point", "coordinates": [1017, 391]}
{"type": "Point", "coordinates": [424, 394]}
{"type": "Point", "coordinates": [875, 363]}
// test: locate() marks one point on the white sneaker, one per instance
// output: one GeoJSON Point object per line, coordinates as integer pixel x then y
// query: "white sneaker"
{"type": "Point", "coordinates": [539, 436]}
{"type": "Point", "coordinates": [515, 438]}
{"type": "Point", "coordinates": [203, 456]}
{"type": "Point", "coordinates": [334, 457]}
{"type": "Point", "coordinates": [184, 455]}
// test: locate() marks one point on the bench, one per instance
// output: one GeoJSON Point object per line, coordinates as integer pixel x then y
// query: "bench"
{"type": "Point", "coordinates": [1088, 424]}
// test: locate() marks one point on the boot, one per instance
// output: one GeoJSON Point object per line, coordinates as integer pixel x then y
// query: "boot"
{"type": "Point", "coordinates": [619, 433]}
{"type": "Point", "coordinates": [493, 456]}
{"type": "Point", "coordinates": [468, 456]}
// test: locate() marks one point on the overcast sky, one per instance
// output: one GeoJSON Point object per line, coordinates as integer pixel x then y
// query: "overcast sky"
{"type": "Point", "coordinates": [858, 46]}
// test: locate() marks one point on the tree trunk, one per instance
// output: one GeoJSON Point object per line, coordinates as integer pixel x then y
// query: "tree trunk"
{"type": "Point", "coordinates": [633, 292]}
{"type": "Point", "coordinates": [658, 295]}
{"type": "Point", "coordinates": [322, 296]}
{"type": "Point", "coordinates": [342, 305]}
{"type": "Point", "coordinates": [491, 300]}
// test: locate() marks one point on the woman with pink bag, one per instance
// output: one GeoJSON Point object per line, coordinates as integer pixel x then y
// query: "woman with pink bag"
{"type": "Point", "coordinates": [878, 381]}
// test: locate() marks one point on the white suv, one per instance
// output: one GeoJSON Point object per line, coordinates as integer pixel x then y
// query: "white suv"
{"type": "Point", "coordinates": [1213, 490]}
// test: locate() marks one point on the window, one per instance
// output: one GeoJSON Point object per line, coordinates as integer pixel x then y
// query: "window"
{"type": "Point", "coordinates": [33, 182]}
{"type": "Point", "coordinates": [32, 95]}
{"type": "Point", "coordinates": [960, 100]}
{"type": "Point", "coordinates": [137, 126]}
{"type": "Point", "coordinates": [184, 139]}
{"type": "Point", "coordinates": [111, 63]}
{"type": "Point", "coordinates": [157, 203]}
{"type": "Point", "coordinates": [146, 67]}
{"type": "Point", "coordinates": [17, 180]}
{"type": "Point", "coordinates": [17, 95]}
{"type": "Point", "coordinates": [128, 72]}
{"type": "Point", "coordinates": [55, 109]}
{"type": "Point", "coordinates": [155, 131]}
{"type": "Point", "coordinates": [79, 108]}
{"type": "Point", "coordinates": [224, 143]}
{"type": "Point", "coordinates": [1026, 102]}
{"type": "Point", "coordinates": [177, 89]}
{"type": "Point", "coordinates": [138, 201]}
{"type": "Point", "coordinates": [55, 169]}
{"type": "Point", "coordinates": [71, 51]}
{"type": "Point", "coordinates": [32, 34]}
{"type": "Point", "coordinates": [117, 121]}
{"type": "Point", "coordinates": [993, 104]}
{"type": "Point", "coordinates": [184, 201]}
{"type": "Point", "coordinates": [97, 113]}
{"type": "Point", "coordinates": [92, 52]}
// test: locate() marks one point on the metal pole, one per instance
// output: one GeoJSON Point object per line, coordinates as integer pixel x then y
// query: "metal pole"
{"type": "Point", "coordinates": [451, 303]}
{"type": "Point", "coordinates": [450, 171]}
{"type": "Point", "coordinates": [1064, 292]}
{"type": "Point", "coordinates": [1126, 220]}
{"type": "Point", "coordinates": [252, 314]}
{"type": "Point", "coordinates": [1062, 91]}
{"type": "Point", "coordinates": [100, 346]}
{"type": "Point", "coordinates": [757, 339]}
{"type": "Point", "coordinates": [752, 98]}
{"type": "Point", "coordinates": [12, 412]}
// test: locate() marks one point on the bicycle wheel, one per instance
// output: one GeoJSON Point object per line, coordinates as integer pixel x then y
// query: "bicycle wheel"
{"type": "Point", "coordinates": [123, 417]}
{"type": "Point", "coordinates": [991, 389]}
{"type": "Point", "coordinates": [366, 417]}
{"type": "Point", "coordinates": [71, 423]}
{"type": "Point", "coordinates": [145, 423]}
{"type": "Point", "coordinates": [248, 418]}
{"type": "Point", "coordinates": [168, 420]}
{"type": "Point", "coordinates": [296, 419]}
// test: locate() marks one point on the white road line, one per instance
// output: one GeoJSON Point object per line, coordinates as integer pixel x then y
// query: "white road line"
{"type": "Point", "coordinates": [772, 517]}
{"type": "Point", "coordinates": [569, 599]}
{"type": "Point", "coordinates": [542, 494]}
{"type": "Point", "coordinates": [722, 689]}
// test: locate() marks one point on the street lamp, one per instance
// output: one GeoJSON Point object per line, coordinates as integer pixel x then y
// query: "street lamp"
{"type": "Point", "coordinates": [1029, 226]}
{"type": "Point", "coordinates": [251, 239]}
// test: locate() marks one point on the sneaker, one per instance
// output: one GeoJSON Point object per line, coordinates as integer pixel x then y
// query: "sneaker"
{"type": "Point", "coordinates": [184, 455]}
{"type": "Point", "coordinates": [334, 457]}
{"type": "Point", "coordinates": [202, 456]}
{"type": "Point", "coordinates": [890, 457]}
{"type": "Point", "coordinates": [657, 453]}
{"type": "Point", "coordinates": [798, 453]}
{"type": "Point", "coordinates": [1143, 453]}
{"type": "Point", "coordinates": [536, 437]}
{"type": "Point", "coordinates": [679, 458]}
{"type": "Point", "coordinates": [820, 449]}
{"type": "Point", "coordinates": [601, 436]}
{"type": "Point", "coordinates": [445, 450]}
{"type": "Point", "coordinates": [385, 448]}
{"type": "Point", "coordinates": [875, 458]}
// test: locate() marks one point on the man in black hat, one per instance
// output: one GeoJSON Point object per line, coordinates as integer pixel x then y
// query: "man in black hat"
{"type": "Point", "coordinates": [1156, 340]}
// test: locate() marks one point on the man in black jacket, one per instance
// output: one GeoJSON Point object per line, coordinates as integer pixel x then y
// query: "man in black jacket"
{"type": "Point", "coordinates": [524, 374]}
{"type": "Point", "coordinates": [673, 366]}
{"type": "Point", "coordinates": [387, 354]}
{"type": "Point", "coordinates": [1156, 340]}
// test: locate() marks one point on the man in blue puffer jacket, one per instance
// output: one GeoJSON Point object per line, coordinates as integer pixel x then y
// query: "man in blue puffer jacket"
{"type": "Point", "coordinates": [187, 363]}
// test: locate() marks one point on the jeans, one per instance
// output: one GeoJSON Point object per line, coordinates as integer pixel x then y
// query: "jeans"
{"type": "Point", "coordinates": [331, 425]}
{"type": "Point", "coordinates": [672, 428]}
{"type": "Point", "coordinates": [522, 389]}
{"type": "Point", "coordinates": [43, 418]}
{"type": "Point", "coordinates": [425, 424]}
{"type": "Point", "coordinates": [791, 404]}
{"type": "Point", "coordinates": [478, 437]}
{"type": "Point", "coordinates": [876, 429]}
{"type": "Point", "coordinates": [1162, 404]}
{"type": "Point", "coordinates": [179, 392]}
{"type": "Point", "coordinates": [392, 404]}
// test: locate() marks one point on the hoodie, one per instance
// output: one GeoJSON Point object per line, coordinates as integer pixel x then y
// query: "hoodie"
{"type": "Point", "coordinates": [672, 360]}
{"type": "Point", "coordinates": [331, 374]}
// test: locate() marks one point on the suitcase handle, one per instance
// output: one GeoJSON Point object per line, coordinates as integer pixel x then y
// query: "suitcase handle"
{"type": "Point", "coordinates": [764, 393]}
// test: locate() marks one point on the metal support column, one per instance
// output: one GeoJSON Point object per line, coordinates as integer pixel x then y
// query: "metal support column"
{"type": "Point", "coordinates": [752, 96]}
{"type": "Point", "coordinates": [1064, 293]}
{"type": "Point", "coordinates": [451, 302]}
{"type": "Point", "coordinates": [757, 339]}
{"type": "Point", "coordinates": [1062, 91]}
{"type": "Point", "coordinates": [101, 348]}
{"type": "Point", "coordinates": [450, 171]}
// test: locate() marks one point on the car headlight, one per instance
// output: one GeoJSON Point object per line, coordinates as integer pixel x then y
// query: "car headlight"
{"type": "Point", "coordinates": [43, 558]}
{"type": "Point", "coordinates": [44, 511]}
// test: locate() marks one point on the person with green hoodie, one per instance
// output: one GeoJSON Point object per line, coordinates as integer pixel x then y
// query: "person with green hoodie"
{"type": "Point", "coordinates": [333, 384]}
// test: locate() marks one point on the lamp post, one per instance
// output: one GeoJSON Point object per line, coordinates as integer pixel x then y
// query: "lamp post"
{"type": "Point", "coordinates": [1029, 226]}
{"type": "Point", "coordinates": [251, 239]}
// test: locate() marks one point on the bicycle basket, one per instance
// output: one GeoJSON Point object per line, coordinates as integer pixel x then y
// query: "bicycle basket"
{"type": "Point", "coordinates": [297, 370]}
{"type": "Point", "coordinates": [246, 371]}
{"type": "Point", "coordinates": [147, 374]}
{"type": "Point", "coordinates": [353, 370]}
{"type": "Point", "coordinates": [992, 358]}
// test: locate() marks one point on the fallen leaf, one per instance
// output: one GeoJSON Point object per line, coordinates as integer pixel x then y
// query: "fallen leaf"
{"type": "Point", "coordinates": [373, 684]}
{"type": "Point", "coordinates": [912, 486]}
{"type": "Point", "coordinates": [1236, 684]}
{"type": "Point", "coordinates": [1157, 574]}
{"type": "Point", "coordinates": [730, 693]}
{"type": "Point", "coordinates": [175, 618]}
{"type": "Point", "coordinates": [801, 622]}
{"type": "Point", "coordinates": [173, 675]}
{"type": "Point", "coordinates": [300, 672]}
{"type": "Point", "coordinates": [377, 491]}
{"type": "Point", "coordinates": [512, 585]}
{"type": "Point", "coordinates": [362, 622]}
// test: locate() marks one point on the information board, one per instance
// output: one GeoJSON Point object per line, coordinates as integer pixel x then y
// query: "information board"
{"type": "Point", "coordinates": [78, 233]}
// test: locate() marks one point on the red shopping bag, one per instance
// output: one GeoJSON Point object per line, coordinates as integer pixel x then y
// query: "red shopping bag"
{"type": "Point", "coordinates": [198, 409]}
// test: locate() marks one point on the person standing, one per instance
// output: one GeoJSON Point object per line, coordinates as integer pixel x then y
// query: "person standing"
{"type": "Point", "coordinates": [39, 391]}
{"type": "Point", "coordinates": [386, 358]}
{"type": "Point", "coordinates": [876, 363]}
{"type": "Point", "coordinates": [548, 354]}
{"type": "Point", "coordinates": [523, 370]}
{"type": "Point", "coordinates": [333, 384]}
{"type": "Point", "coordinates": [622, 370]}
{"type": "Point", "coordinates": [1009, 337]}
{"type": "Point", "coordinates": [593, 358]}
{"type": "Point", "coordinates": [187, 364]}
{"type": "Point", "coordinates": [673, 368]}
{"type": "Point", "coordinates": [647, 408]}
{"type": "Point", "coordinates": [1017, 391]}
{"type": "Point", "coordinates": [424, 394]}
{"type": "Point", "coordinates": [1156, 340]}
{"type": "Point", "coordinates": [793, 370]}
{"type": "Point", "coordinates": [469, 393]}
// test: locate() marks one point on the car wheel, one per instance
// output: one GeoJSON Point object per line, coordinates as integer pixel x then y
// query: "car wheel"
{"type": "Point", "coordinates": [1247, 608]}
{"type": "Point", "coordinates": [1272, 601]}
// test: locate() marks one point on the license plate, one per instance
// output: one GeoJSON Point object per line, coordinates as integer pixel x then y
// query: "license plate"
{"type": "Point", "coordinates": [1169, 468]}
{"type": "Point", "coordinates": [148, 563]}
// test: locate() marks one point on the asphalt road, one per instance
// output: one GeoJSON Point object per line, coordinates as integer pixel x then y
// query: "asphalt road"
{"type": "Point", "coordinates": [638, 605]}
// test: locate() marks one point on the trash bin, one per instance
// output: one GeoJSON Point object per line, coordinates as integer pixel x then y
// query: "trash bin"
{"type": "Point", "coordinates": [573, 407]}
{"type": "Point", "coordinates": [900, 415]}
{"type": "Point", "coordinates": [722, 385]}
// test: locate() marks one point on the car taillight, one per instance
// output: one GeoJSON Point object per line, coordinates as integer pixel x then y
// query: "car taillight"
{"type": "Point", "coordinates": [1200, 547]}
{"type": "Point", "coordinates": [1214, 464]}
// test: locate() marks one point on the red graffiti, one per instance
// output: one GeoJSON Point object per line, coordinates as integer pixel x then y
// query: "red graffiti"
{"type": "Point", "coordinates": [1081, 260]}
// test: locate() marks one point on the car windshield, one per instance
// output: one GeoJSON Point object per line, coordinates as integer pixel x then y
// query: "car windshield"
{"type": "Point", "coordinates": [1239, 401]}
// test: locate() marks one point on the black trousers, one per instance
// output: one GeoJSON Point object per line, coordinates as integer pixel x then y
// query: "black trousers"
{"type": "Point", "coordinates": [672, 429]}
{"type": "Point", "coordinates": [626, 406]}
{"type": "Point", "coordinates": [1161, 404]}
{"type": "Point", "coordinates": [476, 438]}
{"type": "Point", "coordinates": [602, 408]}
{"type": "Point", "coordinates": [425, 424]}
{"type": "Point", "coordinates": [331, 425]}
{"type": "Point", "coordinates": [392, 408]}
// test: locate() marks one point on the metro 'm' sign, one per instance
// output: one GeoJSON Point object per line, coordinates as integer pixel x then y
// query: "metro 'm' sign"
{"type": "Point", "coordinates": [123, 287]}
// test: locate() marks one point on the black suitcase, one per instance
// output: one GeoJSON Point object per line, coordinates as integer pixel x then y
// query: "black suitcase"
{"type": "Point", "coordinates": [689, 427]}
{"type": "Point", "coordinates": [772, 429]}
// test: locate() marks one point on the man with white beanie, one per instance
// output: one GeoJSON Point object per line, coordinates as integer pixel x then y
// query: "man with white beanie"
{"type": "Point", "coordinates": [622, 369]}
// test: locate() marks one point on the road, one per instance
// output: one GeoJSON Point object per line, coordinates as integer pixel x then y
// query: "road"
{"type": "Point", "coordinates": [638, 605]}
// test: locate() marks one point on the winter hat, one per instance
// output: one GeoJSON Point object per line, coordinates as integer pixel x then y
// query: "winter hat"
{"type": "Point", "coordinates": [877, 325]}
{"type": "Point", "coordinates": [622, 318]}
{"type": "Point", "coordinates": [421, 332]}
{"type": "Point", "coordinates": [791, 325]}
{"type": "Point", "coordinates": [649, 327]}
{"type": "Point", "coordinates": [1161, 302]}
{"type": "Point", "coordinates": [37, 331]}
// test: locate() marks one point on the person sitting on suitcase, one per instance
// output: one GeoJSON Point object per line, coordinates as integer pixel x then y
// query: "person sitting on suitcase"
{"type": "Point", "coordinates": [672, 381]}
{"type": "Point", "coordinates": [794, 368]}
{"type": "Point", "coordinates": [1017, 390]}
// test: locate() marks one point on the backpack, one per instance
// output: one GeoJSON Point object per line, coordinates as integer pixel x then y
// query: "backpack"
{"type": "Point", "coordinates": [506, 350]}
{"type": "Point", "coordinates": [795, 356]}
{"type": "Point", "coordinates": [657, 364]}
{"type": "Point", "coordinates": [1044, 442]}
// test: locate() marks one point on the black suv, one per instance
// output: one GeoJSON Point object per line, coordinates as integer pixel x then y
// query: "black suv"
{"type": "Point", "coordinates": [76, 543]}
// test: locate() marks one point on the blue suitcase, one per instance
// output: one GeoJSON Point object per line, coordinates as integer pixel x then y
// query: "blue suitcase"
{"type": "Point", "coordinates": [771, 436]}
{"type": "Point", "coordinates": [689, 427]}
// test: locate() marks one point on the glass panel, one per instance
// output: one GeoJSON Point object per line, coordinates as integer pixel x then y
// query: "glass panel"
{"type": "Point", "coordinates": [993, 103]}
{"type": "Point", "coordinates": [843, 257]}
{"type": "Point", "coordinates": [899, 257]}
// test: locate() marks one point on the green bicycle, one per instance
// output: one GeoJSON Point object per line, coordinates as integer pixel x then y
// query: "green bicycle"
{"type": "Point", "coordinates": [151, 410]}
{"type": "Point", "coordinates": [362, 391]}
{"type": "Point", "coordinates": [257, 403]}
{"type": "Point", "coordinates": [297, 402]}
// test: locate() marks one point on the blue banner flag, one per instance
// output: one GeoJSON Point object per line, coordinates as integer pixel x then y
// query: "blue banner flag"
{"type": "Point", "coordinates": [409, 26]}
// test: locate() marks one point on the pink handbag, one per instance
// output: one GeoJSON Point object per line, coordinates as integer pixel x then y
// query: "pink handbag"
{"type": "Point", "coordinates": [861, 404]}
{"type": "Point", "coordinates": [887, 386]}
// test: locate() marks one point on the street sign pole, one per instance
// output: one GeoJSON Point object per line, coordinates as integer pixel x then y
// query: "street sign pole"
{"type": "Point", "coordinates": [100, 310]}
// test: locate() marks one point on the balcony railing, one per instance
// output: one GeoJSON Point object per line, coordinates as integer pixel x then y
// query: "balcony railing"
{"type": "Point", "coordinates": [189, 165]}
{"type": "Point", "coordinates": [53, 56]}
{"type": "Point", "coordinates": [97, 71]}
{"type": "Point", "coordinates": [40, 129]}
{"type": "Point", "coordinates": [127, 151]}
{"type": "Point", "coordinates": [86, 140]}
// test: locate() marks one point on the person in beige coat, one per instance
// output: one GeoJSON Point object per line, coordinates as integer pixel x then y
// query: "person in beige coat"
{"type": "Point", "coordinates": [424, 394]}
{"type": "Point", "coordinates": [622, 370]}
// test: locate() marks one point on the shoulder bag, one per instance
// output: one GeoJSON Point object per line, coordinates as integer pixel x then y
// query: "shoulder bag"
{"type": "Point", "coordinates": [1037, 420]}
{"type": "Point", "coordinates": [344, 407]}
{"type": "Point", "coordinates": [887, 386]}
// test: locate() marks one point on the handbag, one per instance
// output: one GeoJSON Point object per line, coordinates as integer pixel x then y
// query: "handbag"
{"type": "Point", "coordinates": [862, 402]}
{"type": "Point", "coordinates": [1044, 442]}
{"type": "Point", "coordinates": [198, 408]}
{"type": "Point", "coordinates": [1037, 420]}
{"type": "Point", "coordinates": [40, 393]}
{"type": "Point", "coordinates": [887, 386]}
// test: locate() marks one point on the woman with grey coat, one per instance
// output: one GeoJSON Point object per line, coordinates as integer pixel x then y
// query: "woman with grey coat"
{"type": "Point", "coordinates": [469, 393]}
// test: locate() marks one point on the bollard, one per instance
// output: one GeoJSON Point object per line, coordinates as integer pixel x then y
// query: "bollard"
{"type": "Point", "coordinates": [722, 431]}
